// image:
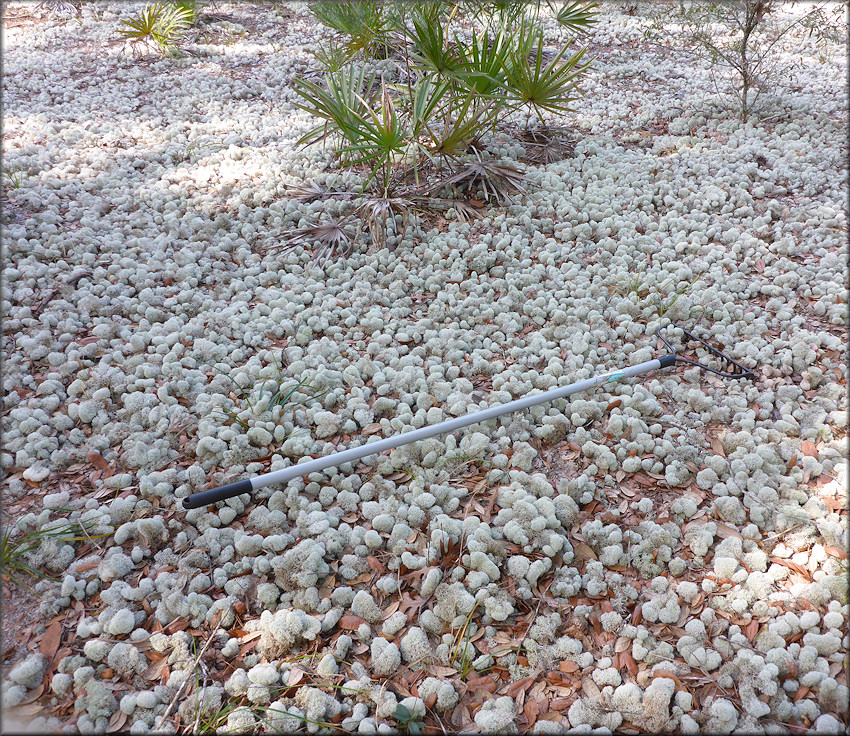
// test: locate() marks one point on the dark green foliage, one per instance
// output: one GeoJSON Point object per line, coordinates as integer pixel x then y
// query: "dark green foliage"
{"type": "Point", "coordinates": [408, 721]}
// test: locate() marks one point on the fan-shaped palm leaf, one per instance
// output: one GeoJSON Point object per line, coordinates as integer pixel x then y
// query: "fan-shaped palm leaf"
{"type": "Point", "coordinates": [328, 239]}
{"type": "Point", "coordinates": [340, 104]}
{"type": "Point", "coordinates": [496, 180]}
{"type": "Point", "coordinates": [362, 21]}
{"type": "Point", "coordinates": [548, 88]}
{"type": "Point", "coordinates": [379, 213]}
{"type": "Point", "coordinates": [161, 25]}
{"type": "Point", "coordinates": [578, 17]}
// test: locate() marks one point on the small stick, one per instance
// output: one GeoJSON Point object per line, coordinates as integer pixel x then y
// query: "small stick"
{"type": "Point", "coordinates": [183, 684]}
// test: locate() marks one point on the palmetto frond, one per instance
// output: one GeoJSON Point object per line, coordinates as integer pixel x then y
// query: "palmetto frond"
{"type": "Point", "coordinates": [314, 191]}
{"type": "Point", "coordinates": [161, 25]}
{"type": "Point", "coordinates": [340, 104]}
{"type": "Point", "coordinates": [382, 136]}
{"type": "Point", "coordinates": [551, 87]}
{"type": "Point", "coordinates": [329, 239]}
{"type": "Point", "coordinates": [61, 7]}
{"type": "Point", "coordinates": [379, 213]}
{"type": "Point", "coordinates": [362, 21]}
{"type": "Point", "coordinates": [496, 180]}
{"type": "Point", "coordinates": [578, 17]}
{"type": "Point", "coordinates": [483, 61]}
{"type": "Point", "coordinates": [545, 145]}
{"type": "Point", "coordinates": [430, 50]}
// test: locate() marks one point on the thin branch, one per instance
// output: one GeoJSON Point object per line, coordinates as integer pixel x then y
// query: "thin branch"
{"type": "Point", "coordinates": [183, 684]}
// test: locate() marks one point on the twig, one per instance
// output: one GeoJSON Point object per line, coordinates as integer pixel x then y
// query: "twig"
{"type": "Point", "coordinates": [183, 684]}
{"type": "Point", "coordinates": [534, 617]}
{"type": "Point", "coordinates": [55, 290]}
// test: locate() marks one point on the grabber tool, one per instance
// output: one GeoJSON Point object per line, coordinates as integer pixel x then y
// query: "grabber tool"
{"type": "Point", "coordinates": [702, 356]}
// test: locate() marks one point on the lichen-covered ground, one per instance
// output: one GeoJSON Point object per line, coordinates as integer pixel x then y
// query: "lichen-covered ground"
{"type": "Point", "coordinates": [664, 554]}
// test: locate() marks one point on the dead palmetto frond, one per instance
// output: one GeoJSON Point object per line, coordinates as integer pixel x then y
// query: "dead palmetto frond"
{"type": "Point", "coordinates": [313, 191]}
{"type": "Point", "coordinates": [465, 211]}
{"type": "Point", "coordinates": [378, 215]}
{"type": "Point", "coordinates": [496, 180]}
{"type": "Point", "coordinates": [329, 239]}
{"type": "Point", "coordinates": [61, 8]}
{"type": "Point", "coordinates": [545, 146]}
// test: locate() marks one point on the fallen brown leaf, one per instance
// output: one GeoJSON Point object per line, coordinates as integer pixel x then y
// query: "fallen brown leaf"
{"type": "Point", "coordinates": [374, 563]}
{"type": "Point", "coordinates": [622, 644]}
{"type": "Point", "coordinates": [156, 669]}
{"type": "Point", "coordinates": [96, 459]}
{"type": "Point", "coordinates": [51, 639]}
{"type": "Point", "coordinates": [391, 609]}
{"type": "Point", "coordinates": [717, 446]}
{"type": "Point", "coordinates": [583, 552]}
{"type": "Point", "coordinates": [486, 683]}
{"type": "Point", "coordinates": [26, 711]}
{"type": "Point", "coordinates": [350, 622]}
{"type": "Point", "coordinates": [296, 675]}
{"type": "Point", "coordinates": [520, 686]}
{"type": "Point", "coordinates": [531, 711]}
{"type": "Point", "coordinates": [441, 670]}
{"type": "Point", "coordinates": [670, 676]}
{"type": "Point", "coordinates": [629, 663]}
{"type": "Point", "coordinates": [799, 569]}
{"type": "Point", "coordinates": [33, 695]}
{"type": "Point", "coordinates": [116, 723]}
{"type": "Point", "coordinates": [808, 448]}
{"type": "Point", "coordinates": [724, 531]}
{"type": "Point", "coordinates": [589, 688]}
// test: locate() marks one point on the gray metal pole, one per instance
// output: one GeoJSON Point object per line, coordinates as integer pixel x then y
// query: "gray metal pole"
{"type": "Point", "coordinates": [371, 448]}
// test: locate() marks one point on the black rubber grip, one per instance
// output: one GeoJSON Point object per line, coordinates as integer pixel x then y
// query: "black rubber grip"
{"type": "Point", "coordinates": [204, 498]}
{"type": "Point", "coordinates": [667, 360]}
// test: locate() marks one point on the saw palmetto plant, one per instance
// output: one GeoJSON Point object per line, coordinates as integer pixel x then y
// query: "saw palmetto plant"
{"type": "Point", "coordinates": [161, 26]}
{"type": "Point", "coordinates": [339, 104]}
{"type": "Point", "coordinates": [363, 23]}
{"type": "Point", "coordinates": [382, 138]}
{"type": "Point", "coordinates": [313, 191]}
{"type": "Point", "coordinates": [546, 145]}
{"type": "Point", "coordinates": [428, 45]}
{"type": "Point", "coordinates": [578, 17]}
{"type": "Point", "coordinates": [61, 8]}
{"type": "Point", "coordinates": [447, 90]}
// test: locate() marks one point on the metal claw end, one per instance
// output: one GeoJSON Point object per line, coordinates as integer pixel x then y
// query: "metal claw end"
{"type": "Point", "coordinates": [728, 368]}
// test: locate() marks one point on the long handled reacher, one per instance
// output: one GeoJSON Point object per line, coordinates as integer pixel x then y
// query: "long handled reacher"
{"type": "Point", "coordinates": [727, 368]}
